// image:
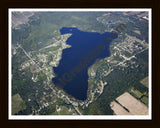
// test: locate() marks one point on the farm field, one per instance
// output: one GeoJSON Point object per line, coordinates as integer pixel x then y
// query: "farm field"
{"type": "Point", "coordinates": [118, 109]}
{"type": "Point", "coordinates": [132, 104]}
{"type": "Point", "coordinates": [17, 103]}
{"type": "Point", "coordinates": [145, 82]}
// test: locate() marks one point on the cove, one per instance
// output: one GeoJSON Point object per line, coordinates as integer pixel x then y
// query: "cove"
{"type": "Point", "coordinates": [82, 45]}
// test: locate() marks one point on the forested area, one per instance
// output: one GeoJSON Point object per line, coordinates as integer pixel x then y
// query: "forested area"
{"type": "Point", "coordinates": [119, 82]}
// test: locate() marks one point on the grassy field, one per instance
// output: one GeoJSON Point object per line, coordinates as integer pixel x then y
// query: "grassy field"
{"type": "Point", "coordinates": [136, 93]}
{"type": "Point", "coordinates": [17, 104]}
{"type": "Point", "coordinates": [145, 81]}
{"type": "Point", "coordinates": [144, 99]}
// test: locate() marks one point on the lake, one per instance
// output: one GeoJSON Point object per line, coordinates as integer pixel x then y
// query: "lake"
{"type": "Point", "coordinates": [72, 71]}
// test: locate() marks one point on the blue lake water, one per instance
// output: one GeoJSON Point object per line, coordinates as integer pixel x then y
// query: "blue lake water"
{"type": "Point", "coordinates": [86, 47]}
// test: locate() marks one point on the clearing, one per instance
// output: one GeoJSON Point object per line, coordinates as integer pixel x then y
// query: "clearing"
{"type": "Point", "coordinates": [17, 104]}
{"type": "Point", "coordinates": [134, 106]}
{"type": "Point", "coordinates": [118, 109]}
{"type": "Point", "coordinates": [145, 81]}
